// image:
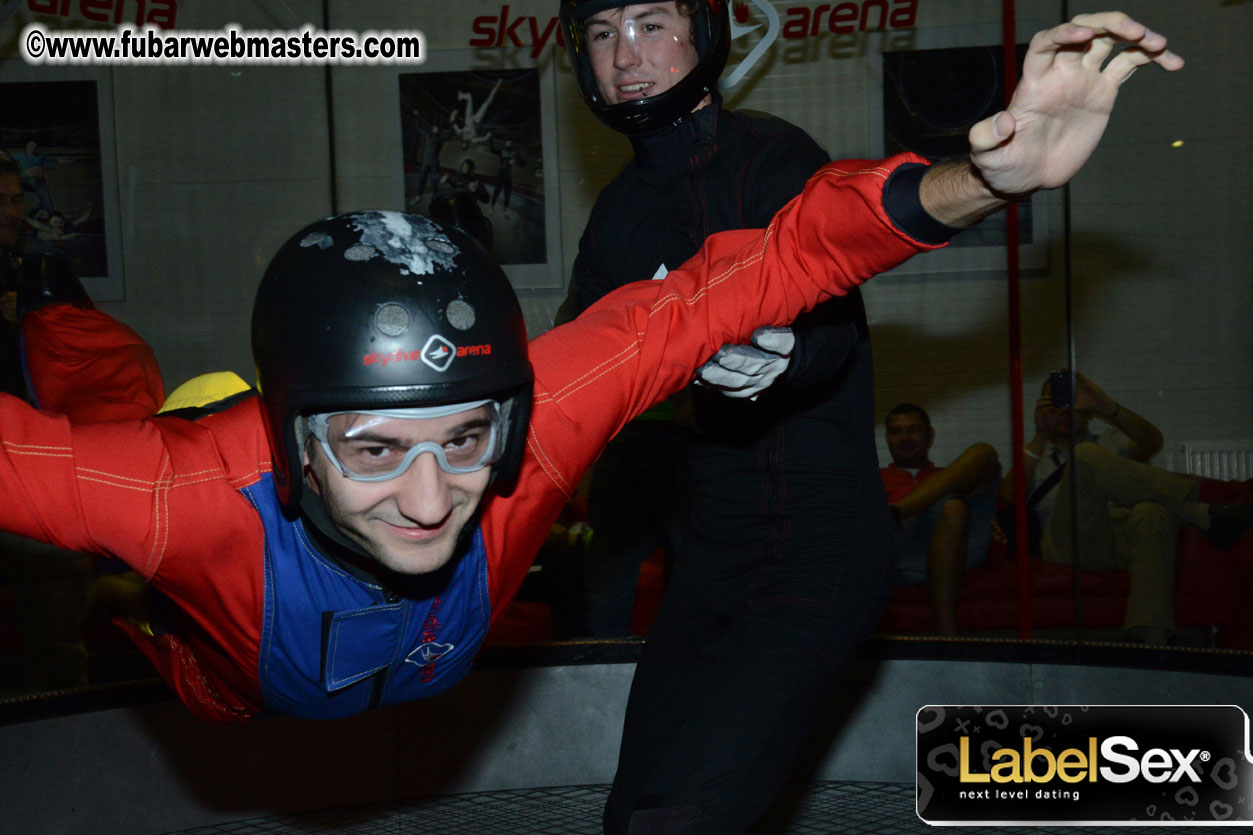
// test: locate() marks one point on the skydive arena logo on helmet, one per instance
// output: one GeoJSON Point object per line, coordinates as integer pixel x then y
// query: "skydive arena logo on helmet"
{"type": "Point", "coordinates": [438, 353]}
{"type": "Point", "coordinates": [1079, 764]}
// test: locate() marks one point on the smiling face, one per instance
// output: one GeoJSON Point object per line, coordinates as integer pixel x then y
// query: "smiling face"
{"type": "Point", "coordinates": [641, 50]}
{"type": "Point", "coordinates": [909, 440]}
{"type": "Point", "coordinates": [412, 523]}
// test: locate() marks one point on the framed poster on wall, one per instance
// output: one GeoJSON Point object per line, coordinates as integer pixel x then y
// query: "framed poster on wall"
{"type": "Point", "coordinates": [58, 128]}
{"type": "Point", "coordinates": [486, 136]}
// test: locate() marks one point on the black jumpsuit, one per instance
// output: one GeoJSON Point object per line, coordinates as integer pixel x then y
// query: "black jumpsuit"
{"type": "Point", "coordinates": [784, 568]}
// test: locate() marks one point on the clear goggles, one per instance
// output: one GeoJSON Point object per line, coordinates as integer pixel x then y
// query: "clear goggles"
{"type": "Point", "coordinates": [381, 444]}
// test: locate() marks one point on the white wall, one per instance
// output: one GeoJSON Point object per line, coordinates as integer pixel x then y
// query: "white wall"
{"type": "Point", "coordinates": [217, 165]}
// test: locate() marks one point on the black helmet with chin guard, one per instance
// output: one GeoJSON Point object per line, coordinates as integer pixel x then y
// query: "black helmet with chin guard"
{"type": "Point", "coordinates": [711, 35]}
{"type": "Point", "coordinates": [377, 310]}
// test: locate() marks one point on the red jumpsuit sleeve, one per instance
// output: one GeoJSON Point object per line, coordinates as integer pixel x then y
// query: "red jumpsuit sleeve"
{"type": "Point", "coordinates": [160, 494]}
{"type": "Point", "coordinates": [89, 367]}
{"type": "Point", "coordinates": [163, 496]}
{"type": "Point", "coordinates": [642, 342]}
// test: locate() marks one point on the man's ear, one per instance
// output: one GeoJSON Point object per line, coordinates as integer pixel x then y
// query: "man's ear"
{"type": "Point", "coordinates": [306, 464]}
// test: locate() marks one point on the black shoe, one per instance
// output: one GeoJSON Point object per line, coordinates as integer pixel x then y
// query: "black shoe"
{"type": "Point", "coordinates": [1227, 522]}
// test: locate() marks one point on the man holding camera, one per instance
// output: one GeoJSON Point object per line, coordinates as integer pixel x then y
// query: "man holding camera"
{"type": "Point", "coordinates": [1129, 513]}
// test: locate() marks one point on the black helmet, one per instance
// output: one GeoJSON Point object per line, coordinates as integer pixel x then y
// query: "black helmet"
{"type": "Point", "coordinates": [711, 33]}
{"type": "Point", "coordinates": [383, 309]}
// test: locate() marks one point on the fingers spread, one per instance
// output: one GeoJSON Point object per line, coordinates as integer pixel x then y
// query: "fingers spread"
{"type": "Point", "coordinates": [1047, 45]}
{"type": "Point", "coordinates": [1090, 39]}
{"type": "Point", "coordinates": [1134, 57]}
{"type": "Point", "coordinates": [1116, 24]}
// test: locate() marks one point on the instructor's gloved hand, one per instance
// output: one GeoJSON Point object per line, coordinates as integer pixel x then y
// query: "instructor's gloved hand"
{"type": "Point", "coordinates": [748, 370]}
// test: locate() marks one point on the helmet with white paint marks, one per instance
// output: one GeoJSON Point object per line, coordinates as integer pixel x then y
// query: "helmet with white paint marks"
{"type": "Point", "coordinates": [378, 310]}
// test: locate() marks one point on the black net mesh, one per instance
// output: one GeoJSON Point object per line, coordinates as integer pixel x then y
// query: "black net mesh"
{"type": "Point", "coordinates": [816, 809]}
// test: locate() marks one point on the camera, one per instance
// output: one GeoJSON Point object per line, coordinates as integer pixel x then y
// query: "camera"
{"type": "Point", "coordinates": [1059, 389]}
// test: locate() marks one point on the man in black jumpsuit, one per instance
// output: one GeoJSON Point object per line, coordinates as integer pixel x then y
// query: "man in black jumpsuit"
{"type": "Point", "coordinates": [786, 562]}
{"type": "Point", "coordinates": [509, 157]}
{"type": "Point", "coordinates": [784, 568]}
{"type": "Point", "coordinates": [433, 140]}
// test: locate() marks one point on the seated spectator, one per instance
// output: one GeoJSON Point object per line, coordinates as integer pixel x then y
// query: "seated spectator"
{"type": "Point", "coordinates": [943, 515]}
{"type": "Point", "coordinates": [1129, 513]}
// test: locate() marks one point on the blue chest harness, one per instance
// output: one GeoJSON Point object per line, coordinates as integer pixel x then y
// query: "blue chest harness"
{"type": "Point", "coordinates": [333, 645]}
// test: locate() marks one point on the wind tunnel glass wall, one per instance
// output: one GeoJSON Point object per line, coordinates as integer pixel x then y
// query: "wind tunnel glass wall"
{"type": "Point", "coordinates": [189, 178]}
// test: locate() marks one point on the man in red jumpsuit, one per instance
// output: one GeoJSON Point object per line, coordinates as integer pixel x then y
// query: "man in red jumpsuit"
{"type": "Point", "coordinates": [319, 562]}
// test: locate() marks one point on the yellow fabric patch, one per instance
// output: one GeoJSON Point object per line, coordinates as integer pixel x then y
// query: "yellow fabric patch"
{"type": "Point", "coordinates": [205, 389]}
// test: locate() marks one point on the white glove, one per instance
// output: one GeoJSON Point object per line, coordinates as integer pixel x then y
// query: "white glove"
{"type": "Point", "coordinates": [748, 370]}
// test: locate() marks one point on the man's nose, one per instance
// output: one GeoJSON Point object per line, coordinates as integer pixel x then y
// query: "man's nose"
{"type": "Point", "coordinates": [626, 52]}
{"type": "Point", "coordinates": [424, 495]}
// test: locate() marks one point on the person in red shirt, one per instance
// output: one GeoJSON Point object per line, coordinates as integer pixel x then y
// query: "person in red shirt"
{"type": "Point", "coordinates": [943, 515]}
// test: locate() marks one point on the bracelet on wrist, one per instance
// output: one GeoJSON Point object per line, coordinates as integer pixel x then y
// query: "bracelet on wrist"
{"type": "Point", "coordinates": [1030, 454]}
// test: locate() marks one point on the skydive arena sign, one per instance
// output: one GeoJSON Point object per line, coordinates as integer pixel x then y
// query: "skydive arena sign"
{"type": "Point", "coordinates": [1023, 765]}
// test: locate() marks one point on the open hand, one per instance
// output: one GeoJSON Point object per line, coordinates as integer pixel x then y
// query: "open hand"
{"type": "Point", "coordinates": [1062, 104]}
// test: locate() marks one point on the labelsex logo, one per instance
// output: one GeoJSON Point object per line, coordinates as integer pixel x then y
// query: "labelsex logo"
{"type": "Point", "coordinates": [1040, 765]}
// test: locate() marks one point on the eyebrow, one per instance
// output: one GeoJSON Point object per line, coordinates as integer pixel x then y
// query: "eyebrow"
{"type": "Point", "coordinates": [450, 433]}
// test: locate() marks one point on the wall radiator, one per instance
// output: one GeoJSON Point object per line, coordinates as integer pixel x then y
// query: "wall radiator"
{"type": "Point", "coordinates": [1226, 460]}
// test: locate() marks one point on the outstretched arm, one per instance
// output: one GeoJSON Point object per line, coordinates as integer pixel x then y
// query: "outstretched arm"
{"type": "Point", "coordinates": [641, 343]}
{"type": "Point", "coordinates": [1055, 119]}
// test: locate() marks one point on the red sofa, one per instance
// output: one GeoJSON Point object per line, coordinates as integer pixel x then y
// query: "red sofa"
{"type": "Point", "coordinates": [1209, 587]}
{"type": "Point", "coordinates": [1209, 590]}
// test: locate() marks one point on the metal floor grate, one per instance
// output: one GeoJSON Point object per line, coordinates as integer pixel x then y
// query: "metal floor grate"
{"type": "Point", "coordinates": [823, 808]}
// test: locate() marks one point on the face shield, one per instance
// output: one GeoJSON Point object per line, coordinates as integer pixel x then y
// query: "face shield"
{"type": "Point", "coordinates": [381, 444]}
{"type": "Point", "coordinates": [638, 52]}
{"type": "Point", "coordinates": [661, 95]}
